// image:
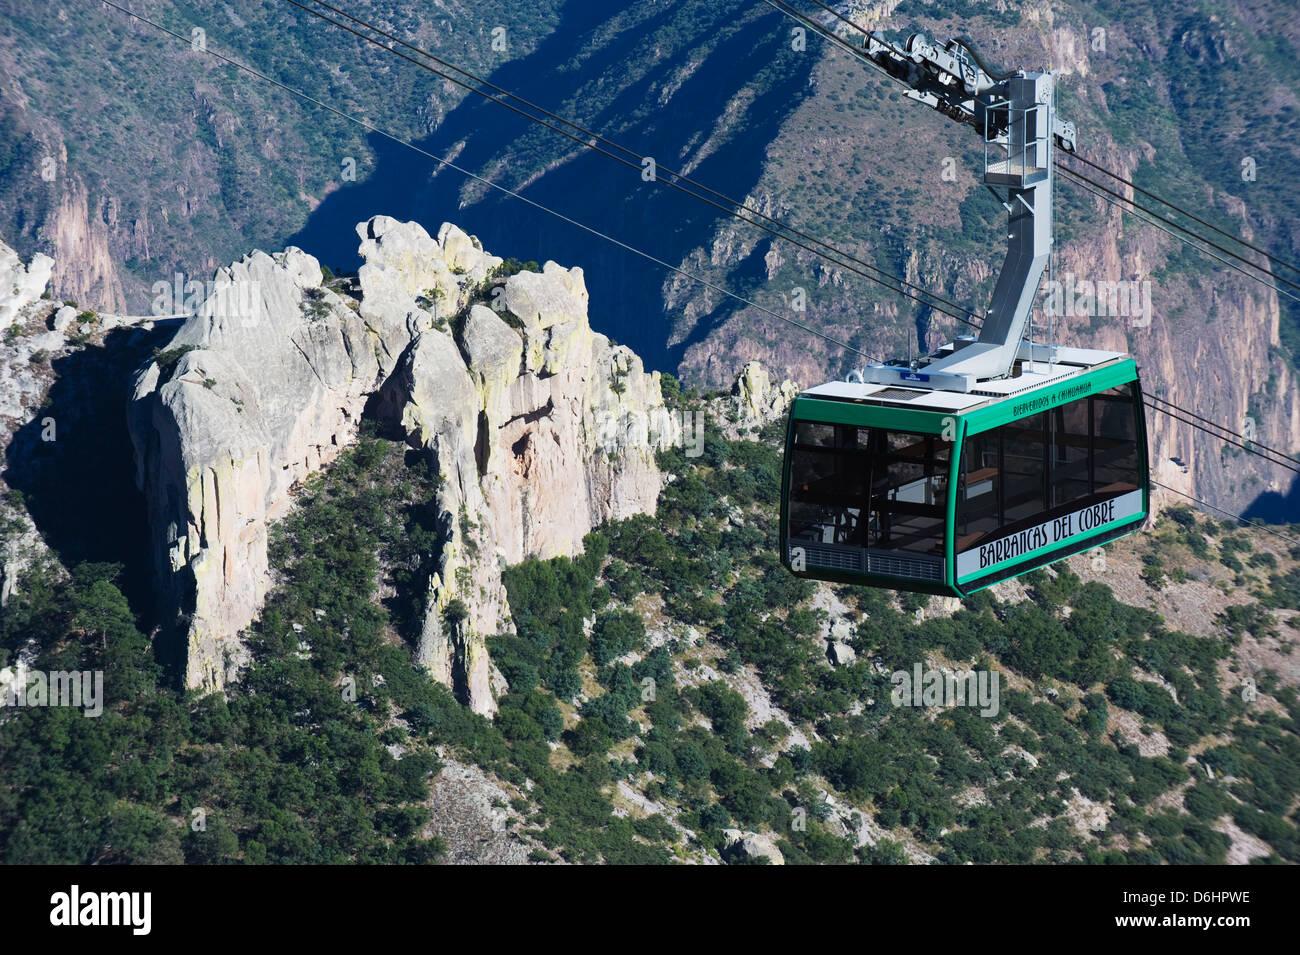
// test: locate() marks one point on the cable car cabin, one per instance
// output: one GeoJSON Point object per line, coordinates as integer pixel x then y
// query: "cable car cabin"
{"type": "Point", "coordinates": [947, 492]}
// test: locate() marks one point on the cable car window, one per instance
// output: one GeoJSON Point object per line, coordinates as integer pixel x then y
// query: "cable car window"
{"type": "Point", "coordinates": [980, 495]}
{"type": "Point", "coordinates": [828, 483]}
{"type": "Point", "coordinates": [1071, 472]}
{"type": "Point", "coordinates": [868, 487]}
{"type": "Point", "coordinates": [1023, 454]}
{"type": "Point", "coordinates": [1029, 471]}
{"type": "Point", "coordinates": [1115, 442]}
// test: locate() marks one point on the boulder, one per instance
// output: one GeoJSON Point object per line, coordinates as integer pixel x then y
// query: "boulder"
{"type": "Point", "coordinates": [840, 654]}
{"type": "Point", "coordinates": [751, 847]}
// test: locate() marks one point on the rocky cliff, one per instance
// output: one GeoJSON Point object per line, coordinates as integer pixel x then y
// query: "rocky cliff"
{"type": "Point", "coordinates": [525, 413]}
{"type": "Point", "coordinates": [21, 386]}
{"type": "Point", "coordinates": [65, 491]}
{"type": "Point", "coordinates": [20, 285]}
{"type": "Point", "coordinates": [516, 418]}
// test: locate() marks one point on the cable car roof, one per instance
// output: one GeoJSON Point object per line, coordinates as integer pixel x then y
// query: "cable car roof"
{"type": "Point", "coordinates": [1070, 362]}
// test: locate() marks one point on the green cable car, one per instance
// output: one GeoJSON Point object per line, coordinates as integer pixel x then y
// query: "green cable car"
{"type": "Point", "coordinates": [947, 493]}
{"type": "Point", "coordinates": [993, 455]}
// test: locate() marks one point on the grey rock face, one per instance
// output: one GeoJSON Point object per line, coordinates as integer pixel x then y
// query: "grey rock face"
{"type": "Point", "coordinates": [514, 416]}
{"type": "Point", "coordinates": [751, 846]}
{"type": "Point", "coordinates": [269, 380]}
{"type": "Point", "coordinates": [265, 385]}
{"type": "Point", "coordinates": [758, 400]}
{"type": "Point", "coordinates": [20, 285]}
{"type": "Point", "coordinates": [840, 654]}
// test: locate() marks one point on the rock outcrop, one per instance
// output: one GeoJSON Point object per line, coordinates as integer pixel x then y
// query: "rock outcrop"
{"type": "Point", "coordinates": [267, 382]}
{"type": "Point", "coordinates": [62, 373]}
{"type": "Point", "coordinates": [242, 405]}
{"type": "Point", "coordinates": [24, 378]}
{"type": "Point", "coordinates": [840, 654]}
{"type": "Point", "coordinates": [515, 411]}
{"type": "Point", "coordinates": [20, 285]}
{"type": "Point", "coordinates": [759, 400]}
{"type": "Point", "coordinates": [83, 230]}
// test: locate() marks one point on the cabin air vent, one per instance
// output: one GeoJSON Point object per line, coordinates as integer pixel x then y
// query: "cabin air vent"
{"type": "Point", "coordinates": [897, 394]}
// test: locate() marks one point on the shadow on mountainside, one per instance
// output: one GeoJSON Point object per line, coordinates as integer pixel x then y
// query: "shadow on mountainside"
{"type": "Point", "coordinates": [1276, 508]}
{"type": "Point", "coordinates": [626, 289]}
{"type": "Point", "coordinates": [80, 487]}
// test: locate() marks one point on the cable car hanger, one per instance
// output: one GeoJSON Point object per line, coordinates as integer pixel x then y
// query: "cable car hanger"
{"type": "Point", "coordinates": [1016, 115]}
